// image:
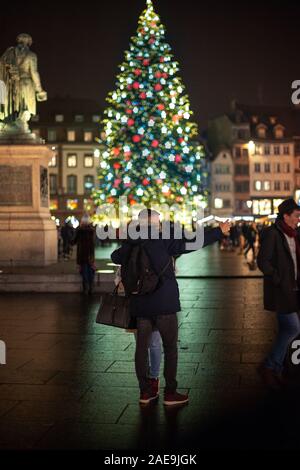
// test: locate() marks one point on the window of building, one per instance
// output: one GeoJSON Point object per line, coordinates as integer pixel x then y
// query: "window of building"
{"type": "Point", "coordinates": [277, 168]}
{"type": "Point", "coordinates": [96, 118]}
{"type": "Point", "coordinates": [254, 119]}
{"type": "Point", "coordinates": [287, 186]}
{"type": "Point", "coordinates": [53, 184]}
{"type": "Point", "coordinates": [218, 203]}
{"type": "Point", "coordinates": [267, 168]}
{"type": "Point", "coordinates": [59, 118]}
{"type": "Point", "coordinates": [267, 185]}
{"type": "Point", "coordinates": [72, 160]}
{"type": "Point", "coordinates": [257, 185]}
{"type": "Point", "coordinates": [273, 120]}
{"type": "Point", "coordinates": [238, 152]}
{"type": "Point", "coordinates": [297, 148]}
{"type": "Point", "coordinates": [279, 132]}
{"type": "Point", "coordinates": [53, 161]}
{"type": "Point", "coordinates": [88, 136]}
{"type": "Point", "coordinates": [276, 150]}
{"type": "Point", "coordinates": [226, 203]}
{"type": "Point", "coordinates": [71, 136]}
{"type": "Point", "coordinates": [88, 183]}
{"type": "Point", "coordinates": [242, 186]}
{"type": "Point", "coordinates": [242, 134]}
{"type": "Point", "coordinates": [51, 135]}
{"type": "Point", "coordinates": [267, 149]}
{"type": "Point", "coordinates": [257, 167]}
{"type": "Point", "coordinates": [286, 150]}
{"type": "Point", "coordinates": [287, 168]}
{"type": "Point", "coordinates": [262, 206]}
{"type": "Point", "coordinates": [258, 150]}
{"type": "Point", "coordinates": [242, 170]}
{"type": "Point", "coordinates": [72, 204]}
{"type": "Point", "coordinates": [79, 118]}
{"type": "Point", "coordinates": [72, 184]}
{"type": "Point", "coordinates": [88, 161]}
{"type": "Point", "coordinates": [222, 170]}
{"type": "Point", "coordinates": [245, 152]}
{"type": "Point", "coordinates": [261, 131]}
{"type": "Point", "coordinates": [277, 185]}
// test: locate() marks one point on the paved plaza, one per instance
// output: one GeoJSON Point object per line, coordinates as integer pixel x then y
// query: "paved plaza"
{"type": "Point", "coordinates": [70, 384]}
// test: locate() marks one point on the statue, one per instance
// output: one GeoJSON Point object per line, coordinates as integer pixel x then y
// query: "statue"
{"type": "Point", "coordinates": [20, 86]}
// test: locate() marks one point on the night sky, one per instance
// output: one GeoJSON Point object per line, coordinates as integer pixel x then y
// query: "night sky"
{"type": "Point", "coordinates": [244, 50]}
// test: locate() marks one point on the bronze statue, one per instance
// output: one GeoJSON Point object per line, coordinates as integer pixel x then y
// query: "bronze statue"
{"type": "Point", "coordinates": [19, 74]}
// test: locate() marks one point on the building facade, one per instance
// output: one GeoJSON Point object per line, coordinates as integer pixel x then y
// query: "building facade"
{"type": "Point", "coordinates": [70, 127]}
{"type": "Point", "coordinates": [222, 201]}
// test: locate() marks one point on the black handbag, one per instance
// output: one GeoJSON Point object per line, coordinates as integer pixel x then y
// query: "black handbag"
{"type": "Point", "coordinates": [114, 310]}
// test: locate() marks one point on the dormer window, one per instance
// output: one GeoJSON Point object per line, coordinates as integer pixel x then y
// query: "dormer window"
{"type": "Point", "coordinates": [279, 132]}
{"type": "Point", "coordinates": [261, 131]}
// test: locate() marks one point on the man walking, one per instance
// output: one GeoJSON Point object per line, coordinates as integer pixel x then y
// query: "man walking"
{"type": "Point", "coordinates": [279, 260]}
{"type": "Point", "coordinates": [158, 310]}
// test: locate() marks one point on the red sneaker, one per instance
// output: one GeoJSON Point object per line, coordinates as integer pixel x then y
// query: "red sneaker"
{"type": "Point", "coordinates": [175, 399]}
{"type": "Point", "coordinates": [146, 397]}
{"type": "Point", "coordinates": [155, 386]}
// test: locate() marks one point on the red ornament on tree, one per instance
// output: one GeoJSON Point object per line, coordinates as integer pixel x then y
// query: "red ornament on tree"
{"type": "Point", "coordinates": [146, 62]}
{"type": "Point", "coordinates": [116, 151]}
{"type": "Point", "coordinates": [130, 122]}
{"type": "Point", "coordinates": [161, 107]}
{"type": "Point", "coordinates": [117, 166]}
{"type": "Point", "coordinates": [151, 40]}
{"type": "Point", "coordinates": [143, 95]}
{"type": "Point", "coordinates": [136, 138]}
{"type": "Point", "coordinates": [155, 143]}
{"type": "Point", "coordinates": [129, 111]}
{"type": "Point", "coordinates": [158, 74]}
{"type": "Point", "coordinates": [178, 158]}
{"type": "Point", "coordinates": [117, 183]}
{"type": "Point", "coordinates": [181, 140]}
{"type": "Point", "coordinates": [158, 87]}
{"type": "Point", "coordinates": [165, 75]}
{"type": "Point", "coordinates": [150, 158]}
{"type": "Point", "coordinates": [136, 85]}
{"type": "Point", "coordinates": [137, 72]}
{"type": "Point", "coordinates": [162, 59]}
{"type": "Point", "coordinates": [146, 182]}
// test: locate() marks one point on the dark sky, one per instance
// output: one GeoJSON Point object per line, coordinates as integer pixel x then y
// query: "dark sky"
{"type": "Point", "coordinates": [248, 50]}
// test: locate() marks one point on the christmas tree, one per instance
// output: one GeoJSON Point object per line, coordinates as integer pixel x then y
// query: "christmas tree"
{"type": "Point", "coordinates": [151, 153]}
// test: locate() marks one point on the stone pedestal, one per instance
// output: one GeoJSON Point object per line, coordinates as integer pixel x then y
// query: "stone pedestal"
{"type": "Point", "coordinates": [28, 236]}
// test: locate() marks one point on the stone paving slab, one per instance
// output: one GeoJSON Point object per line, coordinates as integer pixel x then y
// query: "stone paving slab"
{"type": "Point", "coordinates": [70, 383]}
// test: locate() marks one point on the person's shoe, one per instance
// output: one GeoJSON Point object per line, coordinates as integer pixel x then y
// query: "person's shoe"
{"type": "Point", "coordinates": [269, 378]}
{"type": "Point", "coordinates": [147, 397]}
{"type": "Point", "coordinates": [175, 398]}
{"type": "Point", "coordinates": [155, 386]}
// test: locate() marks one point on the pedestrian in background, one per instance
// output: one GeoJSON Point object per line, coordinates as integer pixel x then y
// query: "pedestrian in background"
{"type": "Point", "coordinates": [279, 260]}
{"type": "Point", "coordinates": [85, 239]}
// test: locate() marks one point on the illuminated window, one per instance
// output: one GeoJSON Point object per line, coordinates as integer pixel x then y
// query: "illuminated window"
{"type": "Point", "coordinates": [279, 132]}
{"type": "Point", "coordinates": [261, 131]}
{"type": "Point", "coordinates": [53, 161]}
{"type": "Point", "coordinates": [72, 184]}
{"type": "Point", "coordinates": [286, 150]}
{"type": "Point", "coordinates": [71, 136]}
{"type": "Point", "coordinates": [276, 204]}
{"type": "Point", "coordinates": [257, 167]}
{"type": "Point", "coordinates": [89, 161]}
{"type": "Point", "coordinates": [267, 185]}
{"type": "Point", "coordinates": [88, 183]}
{"type": "Point", "coordinates": [88, 136]}
{"type": "Point", "coordinates": [218, 203]}
{"type": "Point", "coordinates": [72, 160]}
{"type": "Point", "coordinates": [96, 118]}
{"type": "Point", "coordinates": [79, 118]}
{"type": "Point", "coordinates": [59, 118]}
{"type": "Point", "coordinates": [53, 204]}
{"type": "Point", "coordinates": [257, 185]}
{"type": "Point", "coordinates": [262, 207]}
{"type": "Point", "coordinates": [72, 204]}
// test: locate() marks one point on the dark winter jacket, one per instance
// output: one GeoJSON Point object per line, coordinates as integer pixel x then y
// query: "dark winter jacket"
{"type": "Point", "coordinates": [165, 300]}
{"type": "Point", "coordinates": [85, 240]}
{"type": "Point", "coordinates": [274, 259]}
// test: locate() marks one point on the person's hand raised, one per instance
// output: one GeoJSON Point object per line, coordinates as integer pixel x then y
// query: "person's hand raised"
{"type": "Point", "coordinates": [225, 227]}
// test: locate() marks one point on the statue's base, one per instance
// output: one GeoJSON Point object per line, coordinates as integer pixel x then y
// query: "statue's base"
{"type": "Point", "coordinates": [28, 235]}
{"type": "Point", "coordinates": [18, 132]}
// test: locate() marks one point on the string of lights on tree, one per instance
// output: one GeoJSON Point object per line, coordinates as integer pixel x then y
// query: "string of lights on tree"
{"type": "Point", "coordinates": [151, 153]}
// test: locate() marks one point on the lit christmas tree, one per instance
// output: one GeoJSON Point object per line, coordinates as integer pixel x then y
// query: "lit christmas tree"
{"type": "Point", "coordinates": [151, 153]}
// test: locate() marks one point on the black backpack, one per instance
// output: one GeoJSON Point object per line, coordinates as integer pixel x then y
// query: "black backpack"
{"type": "Point", "coordinates": [138, 276]}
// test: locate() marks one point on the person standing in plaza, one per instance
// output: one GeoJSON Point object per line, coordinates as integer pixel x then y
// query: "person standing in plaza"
{"type": "Point", "coordinates": [279, 260]}
{"type": "Point", "coordinates": [158, 309]}
{"type": "Point", "coordinates": [85, 240]}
